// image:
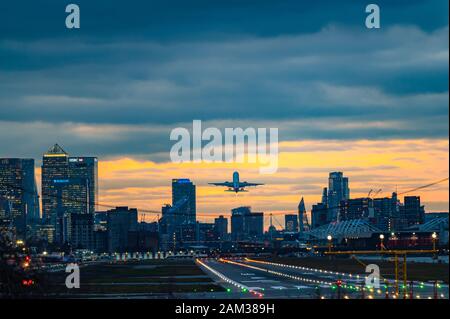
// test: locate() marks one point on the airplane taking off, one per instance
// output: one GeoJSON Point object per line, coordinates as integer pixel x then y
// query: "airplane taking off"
{"type": "Point", "coordinates": [235, 186]}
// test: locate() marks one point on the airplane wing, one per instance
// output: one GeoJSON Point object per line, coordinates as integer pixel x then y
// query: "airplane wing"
{"type": "Point", "coordinates": [245, 184]}
{"type": "Point", "coordinates": [227, 184]}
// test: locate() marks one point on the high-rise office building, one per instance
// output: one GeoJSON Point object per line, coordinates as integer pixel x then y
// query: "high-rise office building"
{"type": "Point", "coordinates": [206, 232]}
{"type": "Point", "coordinates": [255, 225]}
{"type": "Point", "coordinates": [357, 208]}
{"type": "Point", "coordinates": [145, 239]}
{"type": "Point", "coordinates": [70, 197]}
{"type": "Point", "coordinates": [86, 168]}
{"type": "Point", "coordinates": [120, 221]}
{"type": "Point", "coordinates": [168, 219]}
{"type": "Point", "coordinates": [338, 191]}
{"type": "Point", "coordinates": [238, 232]}
{"type": "Point", "coordinates": [46, 232]}
{"type": "Point", "coordinates": [221, 227]}
{"type": "Point", "coordinates": [246, 225]}
{"type": "Point", "coordinates": [54, 171]}
{"type": "Point", "coordinates": [18, 193]}
{"type": "Point", "coordinates": [69, 186]}
{"type": "Point", "coordinates": [412, 213]}
{"type": "Point", "coordinates": [82, 231]}
{"type": "Point", "coordinates": [174, 216]}
{"type": "Point", "coordinates": [386, 212]}
{"type": "Point", "coordinates": [175, 226]}
{"type": "Point", "coordinates": [319, 215]}
{"type": "Point", "coordinates": [184, 189]}
{"type": "Point", "coordinates": [291, 223]}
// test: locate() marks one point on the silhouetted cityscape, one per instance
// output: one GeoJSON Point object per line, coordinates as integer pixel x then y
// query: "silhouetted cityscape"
{"type": "Point", "coordinates": [72, 220]}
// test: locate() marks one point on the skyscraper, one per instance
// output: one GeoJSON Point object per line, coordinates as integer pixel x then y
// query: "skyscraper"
{"type": "Point", "coordinates": [54, 171]}
{"type": "Point", "coordinates": [86, 168]}
{"type": "Point", "coordinates": [238, 223]}
{"type": "Point", "coordinates": [302, 217]}
{"type": "Point", "coordinates": [184, 189]}
{"type": "Point", "coordinates": [337, 191]}
{"type": "Point", "coordinates": [69, 186]}
{"type": "Point", "coordinates": [221, 227]}
{"type": "Point", "coordinates": [18, 193]}
{"type": "Point", "coordinates": [71, 197]}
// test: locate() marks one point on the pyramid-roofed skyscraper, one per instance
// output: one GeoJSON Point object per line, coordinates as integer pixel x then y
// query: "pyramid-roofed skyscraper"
{"type": "Point", "coordinates": [55, 150]}
{"type": "Point", "coordinates": [69, 186]}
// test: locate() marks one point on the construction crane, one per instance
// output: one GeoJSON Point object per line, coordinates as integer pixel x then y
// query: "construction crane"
{"type": "Point", "coordinates": [375, 193]}
{"type": "Point", "coordinates": [278, 222]}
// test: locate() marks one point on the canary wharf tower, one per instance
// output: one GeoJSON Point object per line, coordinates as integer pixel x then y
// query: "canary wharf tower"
{"type": "Point", "coordinates": [69, 186]}
{"type": "Point", "coordinates": [55, 169]}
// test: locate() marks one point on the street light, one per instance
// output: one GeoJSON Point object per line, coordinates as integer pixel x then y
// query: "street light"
{"type": "Point", "coordinates": [434, 237]}
{"type": "Point", "coordinates": [381, 241]}
{"type": "Point", "coordinates": [329, 238]}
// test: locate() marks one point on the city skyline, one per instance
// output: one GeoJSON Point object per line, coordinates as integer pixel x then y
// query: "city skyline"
{"type": "Point", "coordinates": [223, 155]}
{"type": "Point", "coordinates": [209, 216]}
{"type": "Point", "coordinates": [371, 103]}
{"type": "Point", "coordinates": [386, 125]}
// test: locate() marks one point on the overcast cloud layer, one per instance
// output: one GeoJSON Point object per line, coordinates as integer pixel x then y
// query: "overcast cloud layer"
{"type": "Point", "coordinates": [136, 70]}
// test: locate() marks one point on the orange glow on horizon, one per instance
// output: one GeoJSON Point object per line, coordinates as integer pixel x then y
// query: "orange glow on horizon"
{"type": "Point", "coordinates": [303, 171]}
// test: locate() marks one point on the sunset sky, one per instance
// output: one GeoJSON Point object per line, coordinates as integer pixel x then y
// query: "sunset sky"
{"type": "Point", "coordinates": [370, 103]}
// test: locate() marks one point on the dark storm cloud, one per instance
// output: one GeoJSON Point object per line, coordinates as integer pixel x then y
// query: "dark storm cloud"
{"type": "Point", "coordinates": [171, 20]}
{"type": "Point", "coordinates": [137, 69]}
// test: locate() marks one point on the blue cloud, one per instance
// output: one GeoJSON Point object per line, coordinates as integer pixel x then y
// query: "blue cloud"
{"type": "Point", "coordinates": [309, 67]}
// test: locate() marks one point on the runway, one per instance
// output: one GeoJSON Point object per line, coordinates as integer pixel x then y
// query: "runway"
{"type": "Point", "coordinates": [270, 285]}
{"type": "Point", "coordinates": [246, 278]}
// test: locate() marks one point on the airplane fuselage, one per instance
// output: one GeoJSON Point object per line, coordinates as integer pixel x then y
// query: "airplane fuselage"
{"type": "Point", "coordinates": [236, 185]}
{"type": "Point", "coordinates": [236, 182]}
